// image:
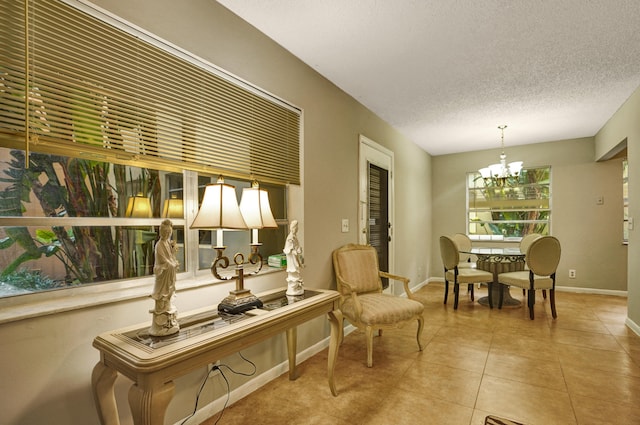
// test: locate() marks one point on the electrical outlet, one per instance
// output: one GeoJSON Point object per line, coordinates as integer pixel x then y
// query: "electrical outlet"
{"type": "Point", "coordinates": [214, 373]}
{"type": "Point", "coordinates": [572, 274]}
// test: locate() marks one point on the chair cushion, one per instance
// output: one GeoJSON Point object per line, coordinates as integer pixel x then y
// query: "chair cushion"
{"type": "Point", "coordinates": [521, 280]}
{"type": "Point", "coordinates": [469, 275]}
{"type": "Point", "coordinates": [383, 309]}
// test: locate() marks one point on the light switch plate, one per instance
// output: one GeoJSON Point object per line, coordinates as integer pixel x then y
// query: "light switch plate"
{"type": "Point", "coordinates": [345, 225]}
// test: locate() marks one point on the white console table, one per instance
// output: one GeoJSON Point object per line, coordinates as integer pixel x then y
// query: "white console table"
{"type": "Point", "coordinates": [205, 336]}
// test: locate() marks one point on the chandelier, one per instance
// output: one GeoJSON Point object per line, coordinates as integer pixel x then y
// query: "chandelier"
{"type": "Point", "coordinates": [500, 172]}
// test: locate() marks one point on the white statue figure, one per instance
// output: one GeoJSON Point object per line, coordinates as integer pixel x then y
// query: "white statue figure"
{"type": "Point", "coordinates": [295, 261]}
{"type": "Point", "coordinates": [165, 267]}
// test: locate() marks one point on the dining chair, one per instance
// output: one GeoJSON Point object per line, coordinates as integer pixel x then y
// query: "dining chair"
{"type": "Point", "coordinates": [542, 259]}
{"type": "Point", "coordinates": [456, 274]}
{"type": "Point", "coordinates": [362, 301]}
{"type": "Point", "coordinates": [463, 242]}
{"type": "Point", "coordinates": [524, 245]}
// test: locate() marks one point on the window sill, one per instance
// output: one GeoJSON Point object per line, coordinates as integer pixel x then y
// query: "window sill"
{"type": "Point", "coordinates": [21, 307]}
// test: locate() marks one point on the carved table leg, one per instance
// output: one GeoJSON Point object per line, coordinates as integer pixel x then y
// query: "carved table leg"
{"type": "Point", "coordinates": [335, 320]}
{"type": "Point", "coordinates": [292, 342]}
{"type": "Point", "coordinates": [103, 379]}
{"type": "Point", "coordinates": [148, 406]}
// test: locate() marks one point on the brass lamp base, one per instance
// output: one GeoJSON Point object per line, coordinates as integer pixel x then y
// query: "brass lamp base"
{"type": "Point", "coordinates": [239, 301]}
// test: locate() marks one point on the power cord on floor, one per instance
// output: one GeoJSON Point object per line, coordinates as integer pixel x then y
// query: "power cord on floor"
{"type": "Point", "coordinates": [206, 378]}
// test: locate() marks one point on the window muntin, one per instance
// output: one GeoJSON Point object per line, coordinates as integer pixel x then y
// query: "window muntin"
{"type": "Point", "coordinates": [511, 209]}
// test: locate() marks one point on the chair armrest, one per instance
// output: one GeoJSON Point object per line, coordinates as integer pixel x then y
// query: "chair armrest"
{"type": "Point", "coordinates": [404, 280]}
{"type": "Point", "coordinates": [357, 305]}
{"type": "Point", "coordinates": [353, 295]}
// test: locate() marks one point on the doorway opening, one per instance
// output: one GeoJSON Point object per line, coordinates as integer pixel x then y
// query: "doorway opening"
{"type": "Point", "coordinates": [376, 203]}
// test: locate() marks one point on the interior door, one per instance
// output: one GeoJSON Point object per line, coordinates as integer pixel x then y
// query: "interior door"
{"type": "Point", "coordinates": [376, 203]}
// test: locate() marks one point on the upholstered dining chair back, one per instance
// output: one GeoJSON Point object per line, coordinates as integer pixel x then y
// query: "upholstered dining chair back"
{"type": "Point", "coordinates": [464, 244]}
{"type": "Point", "coordinates": [449, 252]}
{"type": "Point", "coordinates": [526, 240]}
{"type": "Point", "coordinates": [357, 265]}
{"type": "Point", "coordinates": [543, 255]}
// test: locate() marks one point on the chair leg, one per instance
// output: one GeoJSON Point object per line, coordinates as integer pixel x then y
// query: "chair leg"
{"type": "Point", "coordinates": [419, 334]}
{"type": "Point", "coordinates": [490, 284]}
{"type": "Point", "coordinates": [501, 288]}
{"type": "Point", "coordinates": [470, 286]}
{"type": "Point", "coordinates": [544, 294]}
{"type": "Point", "coordinates": [552, 300]}
{"type": "Point", "coordinates": [456, 293]}
{"type": "Point", "coordinates": [369, 335]}
{"type": "Point", "coordinates": [446, 290]}
{"type": "Point", "coordinates": [531, 302]}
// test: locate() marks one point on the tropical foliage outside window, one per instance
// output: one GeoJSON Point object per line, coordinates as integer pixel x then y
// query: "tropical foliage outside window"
{"type": "Point", "coordinates": [67, 221]}
{"type": "Point", "coordinates": [509, 209]}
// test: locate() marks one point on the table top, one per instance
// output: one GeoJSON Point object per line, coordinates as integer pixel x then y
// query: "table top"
{"type": "Point", "coordinates": [208, 328]}
{"type": "Point", "coordinates": [510, 251]}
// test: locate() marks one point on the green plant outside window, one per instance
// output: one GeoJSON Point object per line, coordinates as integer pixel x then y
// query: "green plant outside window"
{"type": "Point", "coordinates": [509, 209]}
{"type": "Point", "coordinates": [66, 221]}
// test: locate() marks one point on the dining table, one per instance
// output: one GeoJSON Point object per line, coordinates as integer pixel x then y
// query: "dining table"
{"type": "Point", "coordinates": [498, 260]}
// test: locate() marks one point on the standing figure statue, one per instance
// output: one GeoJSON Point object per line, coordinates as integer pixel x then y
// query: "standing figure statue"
{"type": "Point", "coordinates": [295, 261]}
{"type": "Point", "coordinates": [166, 264]}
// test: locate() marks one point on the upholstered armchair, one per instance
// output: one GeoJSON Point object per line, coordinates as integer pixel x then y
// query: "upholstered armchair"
{"type": "Point", "coordinates": [363, 303]}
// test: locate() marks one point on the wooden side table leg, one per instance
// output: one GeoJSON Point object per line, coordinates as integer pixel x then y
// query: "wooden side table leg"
{"type": "Point", "coordinates": [148, 407]}
{"type": "Point", "coordinates": [103, 379]}
{"type": "Point", "coordinates": [292, 343]}
{"type": "Point", "coordinates": [336, 322]}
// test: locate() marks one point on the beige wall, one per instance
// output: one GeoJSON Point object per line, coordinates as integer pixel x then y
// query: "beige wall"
{"type": "Point", "coordinates": [625, 124]}
{"type": "Point", "coordinates": [46, 362]}
{"type": "Point", "coordinates": [590, 234]}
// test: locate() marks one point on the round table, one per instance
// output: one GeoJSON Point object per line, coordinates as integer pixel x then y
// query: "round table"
{"type": "Point", "coordinates": [496, 261]}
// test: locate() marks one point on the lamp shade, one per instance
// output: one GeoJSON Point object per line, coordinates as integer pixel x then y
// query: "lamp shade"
{"type": "Point", "coordinates": [256, 209]}
{"type": "Point", "coordinates": [496, 170]}
{"type": "Point", "coordinates": [219, 209]}
{"type": "Point", "coordinates": [515, 167]}
{"type": "Point", "coordinates": [173, 208]}
{"type": "Point", "coordinates": [138, 207]}
{"type": "Point", "coordinates": [485, 172]}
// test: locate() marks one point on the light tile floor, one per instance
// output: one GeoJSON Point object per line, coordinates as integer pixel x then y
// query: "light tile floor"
{"type": "Point", "coordinates": [582, 368]}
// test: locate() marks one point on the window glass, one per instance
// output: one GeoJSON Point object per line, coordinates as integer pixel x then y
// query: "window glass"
{"type": "Point", "coordinates": [510, 208]}
{"type": "Point", "coordinates": [67, 221]}
{"type": "Point", "coordinates": [271, 240]}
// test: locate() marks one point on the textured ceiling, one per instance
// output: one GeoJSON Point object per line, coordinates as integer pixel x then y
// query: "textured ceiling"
{"type": "Point", "coordinates": [446, 73]}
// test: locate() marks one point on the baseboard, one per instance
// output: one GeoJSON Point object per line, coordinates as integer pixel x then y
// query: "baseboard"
{"type": "Point", "coordinates": [259, 381]}
{"type": "Point", "coordinates": [633, 326]}
{"type": "Point", "coordinates": [558, 288]}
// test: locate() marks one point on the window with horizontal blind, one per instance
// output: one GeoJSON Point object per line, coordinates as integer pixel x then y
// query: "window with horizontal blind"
{"type": "Point", "coordinates": [510, 209]}
{"type": "Point", "coordinates": [103, 115]}
{"type": "Point", "coordinates": [97, 91]}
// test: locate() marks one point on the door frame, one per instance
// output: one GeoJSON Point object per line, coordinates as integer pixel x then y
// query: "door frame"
{"type": "Point", "coordinates": [371, 152]}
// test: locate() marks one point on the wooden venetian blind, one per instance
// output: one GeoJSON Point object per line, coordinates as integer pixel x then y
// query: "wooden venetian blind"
{"type": "Point", "coordinates": [97, 90]}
